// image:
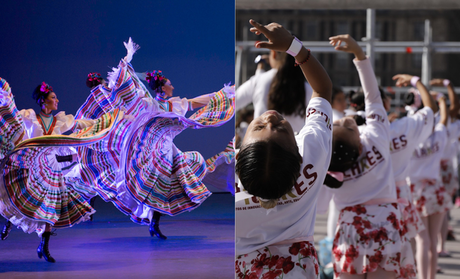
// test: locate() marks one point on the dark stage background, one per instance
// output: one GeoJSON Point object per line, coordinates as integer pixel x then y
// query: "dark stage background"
{"type": "Point", "coordinates": [59, 42]}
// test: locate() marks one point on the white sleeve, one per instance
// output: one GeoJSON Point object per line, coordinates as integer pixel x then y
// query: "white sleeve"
{"type": "Point", "coordinates": [31, 124]}
{"type": "Point", "coordinates": [179, 105]}
{"type": "Point", "coordinates": [150, 104]}
{"type": "Point", "coordinates": [368, 82]}
{"type": "Point", "coordinates": [376, 117]}
{"type": "Point", "coordinates": [84, 123]}
{"type": "Point", "coordinates": [318, 117]}
{"type": "Point", "coordinates": [259, 71]}
{"type": "Point", "coordinates": [243, 95]}
{"type": "Point", "coordinates": [65, 122]}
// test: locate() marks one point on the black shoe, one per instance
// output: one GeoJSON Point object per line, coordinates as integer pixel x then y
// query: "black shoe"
{"type": "Point", "coordinates": [450, 235]}
{"type": "Point", "coordinates": [155, 226]}
{"type": "Point", "coordinates": [42, 249]}
{"type": "Point", "coordinates": [6, 230]}
{"type": "Point", "coordinates": [91, 202]}
{"type": "Point", "coordinates": [155, 230]}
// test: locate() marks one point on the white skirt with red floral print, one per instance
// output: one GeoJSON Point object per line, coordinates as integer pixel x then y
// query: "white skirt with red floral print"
{"type": "Point", "coordinates": [372, 236]}
{"type": "Point", "coordinates": [430, 197]}
{"type": "Point", "coordinates": [410, 215]}
{"type": "Point", "coordinates": [295, 260]}
{"type": "Point", "coordinates": [449, 177]}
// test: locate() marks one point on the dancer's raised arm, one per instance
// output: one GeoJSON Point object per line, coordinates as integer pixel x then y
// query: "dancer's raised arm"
{"type": "Point", "coordinates": [365, 71]}
{"type": "Point", "coordinates": [427, 99]}
{"type": "Point", "coordinates": [443, 110]}
{"type": "Point", "coordinates": [454, 102]}
{"type": "Point", "coordinates": [280, 39]}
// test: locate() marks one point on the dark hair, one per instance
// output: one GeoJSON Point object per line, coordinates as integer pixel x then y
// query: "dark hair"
{"type": "Point", "coordinates": [360, 120]}
{"type": "Point", "coordinates": [156, 81]}
{"type": "Point", "coordinates": [358, 97]}
{"type": "Point", "coordinates": [409, 99]}
{"type": "Point", "coordinates": [267, 170]}
{"type": "Point", "coordinates": [331, 182]}
{"type": "Point", "coordinates": [41, 92]}
{"type": "Point", "coordinates": [335, 91]}
{"type": "Point", "coordinates": [344, 155]}
{"type": "Point", "coordinates": [287, 90]}
{"type": "Point", "coordinates": [93, 80]}
{"type": "Point", "coordinates": [356, 100]}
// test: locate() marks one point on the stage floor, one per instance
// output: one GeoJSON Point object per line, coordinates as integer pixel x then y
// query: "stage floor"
{"type": "Point", "coordinates": [200, 245]}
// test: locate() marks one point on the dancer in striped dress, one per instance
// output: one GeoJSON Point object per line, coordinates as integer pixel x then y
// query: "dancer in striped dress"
{"type": "Point", "coordinates": [34, 193]}
{"type": "Point", "coordinates": [139, 169]}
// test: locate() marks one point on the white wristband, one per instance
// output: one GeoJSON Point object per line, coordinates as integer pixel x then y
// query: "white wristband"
{"type": "Point", "coordinates": [413, 81]}
{"type": "Point", "coordinates": [439, 96]}
{"type": "Point", "coordinates": [446, 82]}
{"type": "Point", "coordinates": [295, 47]}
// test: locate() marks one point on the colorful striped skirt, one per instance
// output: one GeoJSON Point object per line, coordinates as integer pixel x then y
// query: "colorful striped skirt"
{"type": "Point", "coordinates": [36, 189]}
{"type": "Point", "coordinates": [140, 170]}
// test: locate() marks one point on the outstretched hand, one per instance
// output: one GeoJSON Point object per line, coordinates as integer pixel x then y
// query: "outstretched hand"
{"type": "Point", "coordinates": [350, 45]}
{"type": "Point", "coordinates": [437, 82]}
{"type": "Point", "coordinates": [279, 39]}
{"type": "Point", "coordinates": [131, 48]}
{"type": "Point", "coordinates": [402, 80]}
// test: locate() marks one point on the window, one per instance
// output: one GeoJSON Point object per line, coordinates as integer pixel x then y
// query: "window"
{"type": "Point", "coordinates": [310, 28]}
{"type": "Point", "coordinates": [419, 30]}
{"type": "Point", "coordinates": [342, 27]}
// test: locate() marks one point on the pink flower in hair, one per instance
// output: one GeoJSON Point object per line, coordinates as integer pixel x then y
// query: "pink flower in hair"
{"type": "Point", "coordinates": [94, 76]}
{"type": "Point", "coordinates": [45, 88]}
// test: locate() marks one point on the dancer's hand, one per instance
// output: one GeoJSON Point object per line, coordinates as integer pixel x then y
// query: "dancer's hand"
{"type": "Point", "coordinates": [402, 80]}
{"type": "Point", "coordinates": [279, 39]}
{"type": "Point", "coordinates": [437, 82]}
{"type": "Point", "coordinates": [438, 96]}
{"type": "Point", "coordinates": [131, 48]}
{"type": "Point", "coordinates": [350, 45]}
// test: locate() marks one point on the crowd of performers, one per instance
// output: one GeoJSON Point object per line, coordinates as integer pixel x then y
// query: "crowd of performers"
{"type": "Point", "coordinates": [388, 186]}
{"type": "Point", "coordinates": [120, 148]}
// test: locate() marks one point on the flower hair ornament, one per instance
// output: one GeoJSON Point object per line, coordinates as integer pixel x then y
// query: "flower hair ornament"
{"type": "Point", "coordinates": [45, 88]}
{"type": "Point", "coordinates": [156, 80]}
{"type": "Point", "coordinates": [94, 77]}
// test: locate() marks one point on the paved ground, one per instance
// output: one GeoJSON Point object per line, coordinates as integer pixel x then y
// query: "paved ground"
{"type": "Point", "coordinates": [450, 266]}
{"type": "Point", "coordinates": [200, 245]}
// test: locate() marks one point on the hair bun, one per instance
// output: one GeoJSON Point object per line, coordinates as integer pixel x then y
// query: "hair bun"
{"type": "Point", "coordinates": [93, 79]}
{"type": "Point", "coordinates": [156, 80]}
{"type": "Point", "coordinates": [41, 92]}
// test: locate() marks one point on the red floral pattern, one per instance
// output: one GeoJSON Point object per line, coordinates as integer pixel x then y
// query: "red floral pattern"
{"type": "Point", "coordinates": [412, 222]}
{"type": "Point", "coordinates": [430, 197]}
{"type": "Point", "coordinates": [372, 236]}
{"type": "Point", "coordinates": [449, 179]}
{"type": "Point", "coordinates": [298, 260]}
